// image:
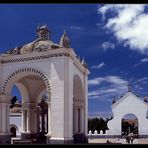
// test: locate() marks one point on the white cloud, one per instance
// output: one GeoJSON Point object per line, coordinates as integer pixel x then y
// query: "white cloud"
{"type": "Point", "coordinates": [142, 79]}
{"type": "Point", "coordinates": [141, 61]}
{"type": "Point", "coordinates": [138, 87]}
{"type": "Point", "coordinates": [98, 66]}
{"type": "Point", "coordinates": [95, 81]}
{"type": "Point", "coordinates": [100, 92]}
{"type": "Point", "coordinates": [129, 24]}
{"type": "Point", "coordinates": [107, 45]}
{"type": "Point", "coordinates": [100, 114]}
{"type": "Point", "coordinates": [109, 79]}
{"type": "Point", "coordinates": [76, 28]}
{"type": "Point", "coordinates": [144, 60]}
{"type": "Point", "coordinates": [114, 86]}
{"type": "Point", "coordinates": [141, 82]}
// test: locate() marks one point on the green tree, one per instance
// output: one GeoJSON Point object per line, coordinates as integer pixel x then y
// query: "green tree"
{"type": "Point", "coordinates": [97, 124]}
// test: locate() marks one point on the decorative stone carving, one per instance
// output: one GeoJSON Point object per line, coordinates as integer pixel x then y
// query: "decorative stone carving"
{"type": "Point", "coordinates": [101, 132]}
{"type": "Point", "coordinates": [90, 132]}
{"type": "Point", "coordinates": [42, 46]}
{"type": "Point", "coordinates": [43, 32]}
{"type": "Point", "coordinates": [65, 41]}
{"type": "Point", "coordinates": [15, 51]}
{"type": "Point", "coordinates": [95, 132]}
{"type": "Point", "coordinates": [16, 109]}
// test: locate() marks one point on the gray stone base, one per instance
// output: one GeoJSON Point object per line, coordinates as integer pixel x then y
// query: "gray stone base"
{"type": "Point", "coordinates": [5, 139]}
{"type": "Point", "coordinates": [142, 136]}
{"type": "Point", "coordinates": [59, 141]}
{"type": "Point", "coordinates": [80, 138]}
{"type": "Point", "coordinates": [112, 136]}
{"type": "Point", "coordinates": [103, 136]}
{"type": "Point", "coordinates": [28, 136]}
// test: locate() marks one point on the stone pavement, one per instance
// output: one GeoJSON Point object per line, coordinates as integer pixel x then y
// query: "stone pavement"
{"type": "Point", "coordinates": [117, 141]}
{"type": "Point", "coordinates": [123, 141]}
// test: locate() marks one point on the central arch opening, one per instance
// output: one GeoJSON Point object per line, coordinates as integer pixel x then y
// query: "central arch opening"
{"type": "Point", "coordinates": [32, 93]}
{"type": "Point", "coordinates": [129, 125]}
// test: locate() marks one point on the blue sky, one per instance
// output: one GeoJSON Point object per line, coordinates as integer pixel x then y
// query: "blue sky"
{"type": "Point", "coordinates": [113, 39]}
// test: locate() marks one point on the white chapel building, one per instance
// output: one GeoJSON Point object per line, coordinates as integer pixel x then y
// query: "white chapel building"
{"type": "Point", "coordinates": [129, 104]}
{"type": "Point", "coordinates": [40, 67]}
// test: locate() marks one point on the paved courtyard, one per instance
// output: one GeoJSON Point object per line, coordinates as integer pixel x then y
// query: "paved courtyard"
{"type": "Point", "coordinates": [117, 141]}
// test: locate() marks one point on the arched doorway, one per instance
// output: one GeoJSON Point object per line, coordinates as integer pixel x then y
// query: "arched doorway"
{"type": "Point", "coordinates": [129, 104]}
{"type": "Point", "coordinates": [129, 125]}
{"type": "Point", "coordinates": [30, 83]}
{"type": "Point", "coordinates": [13, 130]}
{"type": "Point", "coordinates": [78, 106]}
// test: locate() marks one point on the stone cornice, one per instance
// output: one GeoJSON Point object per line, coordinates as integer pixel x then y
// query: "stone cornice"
{"type": "Point", "coordinates": [5, 98]}
{"type": "Point", "coordinates": [29, 105]}
{"type": "Point", "coordinates": [26, 58]}
{"type": "Point", "coordinates": [33, 56]}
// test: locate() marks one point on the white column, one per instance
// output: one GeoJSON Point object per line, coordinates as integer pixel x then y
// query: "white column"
{"type": "Point", "coordinates": [38, 119]}
{"type": "Point", "coordinates": [4, 113]}
{"type": "Point", "coordinates": [33, 119]}
{"type": "Point", "coordinates": [82, 129]}
{"type": "Point", "coordinates": [75, 120]}
{"type": "Point", "coordinates": [24, 120]}
{"type": "Point", "coordinates": [4, 118]}
{"type": "Point", "coordinates": [28, 121]}
{"type": "Point", "coordinates": [0, 117]}
{"type": "Point", "coordinates": [7, 119]}
{"type": "Point", "coordinates": [5, 135]}
{"type": "Point", "coordinates": [86, 104]}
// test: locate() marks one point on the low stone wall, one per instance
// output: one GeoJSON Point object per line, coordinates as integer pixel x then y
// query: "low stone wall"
{"type": "Point", "coordinates": [111, 136]}
{"type": "Point", "coordinates": [103, 136]}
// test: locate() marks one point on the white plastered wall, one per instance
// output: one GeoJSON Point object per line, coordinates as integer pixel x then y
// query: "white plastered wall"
{"type": "Point", "coordinates": [60, 72]}
{"type": "Point", "coordinates": [130, 105]}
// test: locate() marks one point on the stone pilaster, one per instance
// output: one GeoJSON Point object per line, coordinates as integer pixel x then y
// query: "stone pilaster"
{"type": "Point", "coordinates": [29, 120]}
{"type": "Point", "coordinates": [5, 135]}
{"type": "Point", "coordinates": [48, 135]}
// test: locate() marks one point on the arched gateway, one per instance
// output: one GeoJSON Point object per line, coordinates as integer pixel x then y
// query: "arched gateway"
{"type": "Point", "coordinates": [129, 104]}
{"type": "Point", "coordinates": [44, 66]}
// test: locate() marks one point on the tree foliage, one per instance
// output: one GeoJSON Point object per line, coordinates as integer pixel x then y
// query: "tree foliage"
{"type": "Point", "coordinates": [129, 128]}
{"type": "Point", "coordinates": [97, 124]}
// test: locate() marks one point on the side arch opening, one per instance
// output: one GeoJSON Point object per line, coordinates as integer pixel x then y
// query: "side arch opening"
{"type": "Point", "coordinates": [130, 125]}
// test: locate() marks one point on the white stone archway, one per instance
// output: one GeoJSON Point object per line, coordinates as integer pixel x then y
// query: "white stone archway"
{"type": "Point", "coordinates": [129, 124]}
{"type": "Point", "coordinates": [78, 106]}
{"type": "Point", "coordinates": [31, 82]}
{"type": "Point", "coordinates": [20, 74]}
{"type": "Point", "coordinates": [129, 104]}
{"type": "Point", "coordinates": [35, 67]}
{"type": "Point", "coordinates": [13, 130]}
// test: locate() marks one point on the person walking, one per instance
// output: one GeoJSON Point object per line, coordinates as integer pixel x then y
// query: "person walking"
{"type": "Point", "coordinates": [127, 139]}
{"type": "Point", "coordinates": [132, 139]}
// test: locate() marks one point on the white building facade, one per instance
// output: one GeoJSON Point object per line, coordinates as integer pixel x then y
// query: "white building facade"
{"type": "Point", "coordinates": [43, 66]}
{"type": "Point", "coordinates": [16, 124]}
{"type": "Point", "coordinates": [129, 104]}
